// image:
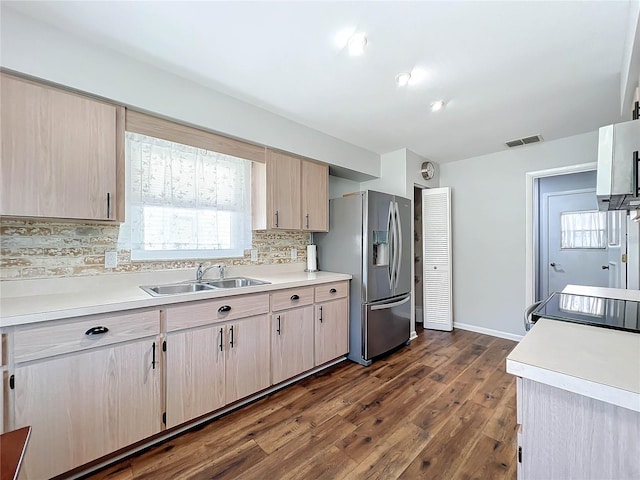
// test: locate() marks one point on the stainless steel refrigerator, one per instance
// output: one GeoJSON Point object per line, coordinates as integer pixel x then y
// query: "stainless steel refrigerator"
{"type": "Point", "coordinates": [370, 238]}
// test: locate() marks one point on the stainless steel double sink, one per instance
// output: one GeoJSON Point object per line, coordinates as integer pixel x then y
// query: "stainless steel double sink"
{"type": "Point", "coordinates": [205, 285]}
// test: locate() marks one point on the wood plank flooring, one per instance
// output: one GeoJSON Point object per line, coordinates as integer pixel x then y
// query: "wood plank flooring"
{"type": "Point", "coordinates": [441, 408]}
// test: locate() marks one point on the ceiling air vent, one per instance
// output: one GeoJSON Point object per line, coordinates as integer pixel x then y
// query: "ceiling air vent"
{"type": "Point", "coordinates": [523, 141]}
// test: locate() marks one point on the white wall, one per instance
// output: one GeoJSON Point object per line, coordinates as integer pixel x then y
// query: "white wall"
{"type": "Point", "coordinates": [630, 60]}
{"type": "Point", "coordinates": [37, 49]}
{"type": "Point", "coordinates": [392, 174]}
{"type": "Point", "coordinates": [340, 186]}
{"type": "Point", "coordinates": [488, 209]}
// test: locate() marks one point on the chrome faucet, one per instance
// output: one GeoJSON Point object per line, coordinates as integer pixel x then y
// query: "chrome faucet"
{"type": "Point", "coordinates": [200, 272]}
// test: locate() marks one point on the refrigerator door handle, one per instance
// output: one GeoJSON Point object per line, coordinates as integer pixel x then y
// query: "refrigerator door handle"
{"type": "Point", "coordinates": [390, 243]}
{"type": "Point", "coordinates": [391, 305]}
{"type": "Point", "coordinates": [398, 249]}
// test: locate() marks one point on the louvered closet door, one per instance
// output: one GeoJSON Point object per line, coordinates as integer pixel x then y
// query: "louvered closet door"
{"type": "Point", "coordinates": [436, 235]}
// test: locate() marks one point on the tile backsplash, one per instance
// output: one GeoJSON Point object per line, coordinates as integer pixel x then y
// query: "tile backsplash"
{"type": "Point", "coordinates": [37, 249]}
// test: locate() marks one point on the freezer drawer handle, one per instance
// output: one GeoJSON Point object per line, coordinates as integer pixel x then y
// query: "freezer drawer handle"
{"type": "Point", "coordinates": [295, 297]}
{"type": "Point", "coordinates": [333, 290]}
{"type": "Point", "coordinates": [390, 305]}
{"type": "Point", "coordinates": [96, 331]}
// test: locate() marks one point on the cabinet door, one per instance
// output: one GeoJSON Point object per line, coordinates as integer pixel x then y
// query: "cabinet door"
{"type": "Point", "coordinates": [315, 197]}
{"type": "Point", "coordinates": [291, 343]}
{"type": "Point", "coordinates": [59, 153]}
{"type": "Point", "coordinates": [331, 330]}
{"type": "Point", "coordinates": [83, 406]}
{"type": "Point", "coordinates": [195, 373]}
{"type": "Point", "coordinates": [283, 198]}
{"type": "Point", "coordinates": [247, 358]}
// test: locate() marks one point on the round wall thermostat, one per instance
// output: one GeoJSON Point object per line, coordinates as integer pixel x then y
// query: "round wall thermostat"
{"type": "Point", "coordinates": [428, 170]}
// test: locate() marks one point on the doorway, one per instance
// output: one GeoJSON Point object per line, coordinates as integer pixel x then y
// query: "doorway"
{"type": "Point", "coordinates": [576, 243]}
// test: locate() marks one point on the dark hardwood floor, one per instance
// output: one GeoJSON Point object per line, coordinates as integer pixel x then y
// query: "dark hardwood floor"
{"type": "Point", "coordinates": [441, 408]}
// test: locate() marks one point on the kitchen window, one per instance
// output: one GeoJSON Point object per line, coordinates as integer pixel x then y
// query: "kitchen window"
{"type": "Point", "coordinates": [184, 201]}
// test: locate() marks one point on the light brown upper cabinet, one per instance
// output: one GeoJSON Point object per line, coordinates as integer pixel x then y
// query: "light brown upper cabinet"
{"type": "Point", "coordinates": [62, 153]}
{"type": "Point", "coordinates": [290, 193]}
{"type": "Point", "coordinates": [315, 196]}
{"type": "Point", "coordinates": [283, 184]}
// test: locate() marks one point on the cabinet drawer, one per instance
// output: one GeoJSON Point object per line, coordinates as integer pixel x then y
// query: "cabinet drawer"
{"type": "Point", "coordinates": [331, 291]}
{"type": "Point", "coordinates": [212, 311]}
{"type": "Point", "coordinates": [64, 336]}
{"type": "Point", "coordinates": [292, 297]}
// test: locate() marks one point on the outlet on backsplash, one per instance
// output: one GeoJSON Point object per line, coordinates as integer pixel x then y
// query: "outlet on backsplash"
{"type": "Point", "coordinates": [110, 259]}
{"type": "Point", "coordinates": [42, 249]}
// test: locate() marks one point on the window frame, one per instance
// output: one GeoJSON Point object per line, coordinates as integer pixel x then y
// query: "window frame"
{"type": "Point", "coordinates": [141, 123]}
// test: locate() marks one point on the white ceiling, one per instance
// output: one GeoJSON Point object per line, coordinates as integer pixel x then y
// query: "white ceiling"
{"type": "Point", "coordinates": [505, 69]}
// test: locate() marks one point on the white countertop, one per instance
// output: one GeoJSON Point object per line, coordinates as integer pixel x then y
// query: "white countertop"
{"type": "Point", "coordinates": [53, 299]}
{"type": "Point", "coordinates": [596, 362]}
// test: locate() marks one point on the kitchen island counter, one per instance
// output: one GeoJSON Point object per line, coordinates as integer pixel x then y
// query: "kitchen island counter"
{"type": "Point", "coordinates": [578, 398]}
{"type": "Point", "coordinates": [596, 362]}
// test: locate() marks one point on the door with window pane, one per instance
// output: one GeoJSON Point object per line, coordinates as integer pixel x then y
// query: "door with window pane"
{"type": "Point", "coordinates": [578, 241]}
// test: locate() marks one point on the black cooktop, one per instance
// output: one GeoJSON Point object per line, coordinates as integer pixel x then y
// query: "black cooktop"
{"type": "Point", "coordinates": [596, 311]}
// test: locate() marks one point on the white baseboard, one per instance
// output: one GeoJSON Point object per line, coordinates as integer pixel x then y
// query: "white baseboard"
{"type": "Point", "coordinates": [413, 335]}
{"type": "Point", "coordinates": [487, 331]}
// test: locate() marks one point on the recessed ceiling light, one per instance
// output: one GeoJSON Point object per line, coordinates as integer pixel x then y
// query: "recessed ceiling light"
{"type": "Point", "coordinates": [356, 43]}
{"type": "Point", "coordinates": [435, 106]}
{"type": "Point", "coordinates": [403, 78]}
{"type": "Point", "coordinates": [414, 77]}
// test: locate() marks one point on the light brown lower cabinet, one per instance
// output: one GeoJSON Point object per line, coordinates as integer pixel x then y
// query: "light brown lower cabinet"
{"type": "Point", "coordinates": [565, 435]}
{"type": "Point", "coordinates": [194, 361]}
{"type": "Point", "coordinates": [210, 367]}
{"type": "Point", "coordinates": [291, 343]}
{"type": "Point", "coordinates": [216, 353]}
{"type": "Point", "coordinates": [331, 330]}
{"type": "Point", "coordinates": [247, 368]}
{"type": "Point", "coordinates": [86, 405]}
